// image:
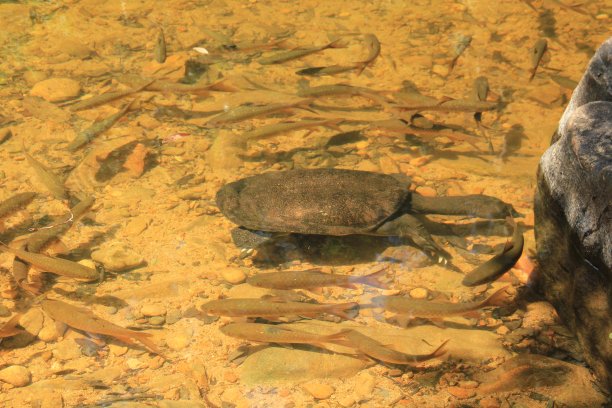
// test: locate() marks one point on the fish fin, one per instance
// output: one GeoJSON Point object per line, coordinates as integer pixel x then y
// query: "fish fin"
{"type": "Point", "coordinates": [339, 310]}
{"type": "Point", "coordinates": [474, 314]}
{"type": "Point", "coordinates": [438, 322]}
{"type": "Point", "coordinates": [498, 298]}
{"type": "Point", "coordinates": [338, 338]}
{"type": "Point", "coordinates": [373, 279]}
{"type": "Point", "coordinates": [403, 320]}
{"type": "Point", "coordinates": [337, 43]}
{"type": "Point", "coordinates": [144, 338]}
{"type": "Point", "coordinates": [316, 290]}
{"type": "Point", "coordinates": [348, 286]}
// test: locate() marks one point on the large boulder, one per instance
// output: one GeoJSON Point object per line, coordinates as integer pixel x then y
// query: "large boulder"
{"type": "Point", "coordinates": [573, 215]}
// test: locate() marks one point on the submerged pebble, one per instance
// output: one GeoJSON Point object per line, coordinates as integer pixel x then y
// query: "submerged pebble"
{"type": "Point", "coordinates": [56, 89]}
{"type": "Point", "coordinates": [117, 257]}
{"type": "Point", "coordinates": [418, 293]}
{"type": "Point", "coordinates": [234, 276]}
{"type": "Point", "coordinates": [16, 375]}
{"type": "Point", "coordinates": [319, 389]}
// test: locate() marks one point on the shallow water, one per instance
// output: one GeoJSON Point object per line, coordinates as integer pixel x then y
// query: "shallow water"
{"type": "Point", "coordinates": [166, 249]}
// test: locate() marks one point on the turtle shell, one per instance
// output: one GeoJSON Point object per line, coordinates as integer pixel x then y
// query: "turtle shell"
{"type": "Point", "coordinates": [317, 201]}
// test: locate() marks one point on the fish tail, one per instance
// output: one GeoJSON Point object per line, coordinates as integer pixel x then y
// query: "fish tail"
{"type": "Point", "coordinates": [145, 340]}
{"type": "Point", "coordinates": [373, 279]}
{"type": "Point", "coordinates": [335, 44]}
{"type": "Point", "coordinates": [338, 338]}
{"type": "Point", "coordinates": [340, 309]}
{"type": "Point", "coordinates": [498, 298]}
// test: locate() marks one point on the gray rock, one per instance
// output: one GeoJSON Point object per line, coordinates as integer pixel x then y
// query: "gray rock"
{"type": "Point", "coordinates": [573, 215]}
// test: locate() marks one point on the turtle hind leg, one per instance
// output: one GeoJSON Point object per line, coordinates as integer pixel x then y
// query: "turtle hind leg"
{"type": "Point", "coordinates": [249, 239]}
{"type": "Point", "coordinates": [475, 205]}
{"type": "Point", "coordinates": [408, 226]}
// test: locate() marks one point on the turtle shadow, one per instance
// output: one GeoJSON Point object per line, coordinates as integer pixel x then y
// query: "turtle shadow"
{"type": "Point", "coordinates": [338, 250]}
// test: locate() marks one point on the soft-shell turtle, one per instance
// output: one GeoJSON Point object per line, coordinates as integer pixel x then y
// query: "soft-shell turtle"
{"type": "Point", "coordinates": [340, 202]}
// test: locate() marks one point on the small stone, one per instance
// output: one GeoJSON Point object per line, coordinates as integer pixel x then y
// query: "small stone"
{"type": "Point", "coordinates": [502, 330]}
{"type": "Point", "coordinates": [117, 257]}
{"type": "Point", "coordinates": [4, 311]}
{"type": "Point", "coordinates": [16, 375]}
{"type": "Point", "coordinates": [157, 320]}
{"type": "Point", "coordinates": [234, 276]}
{"type": "Point", "coordinates": [441, 70]}
{"type": "Point", "coordinates": [489, 402]}
{"type": "Point", "coordinates": [178, 340]}
{"type": "Point", "coordinates": [318, 390]}
{"type": "Point", "coordinates": [154, 309]}
{"type": "Point", "coordinates": [134, 363]}
{"type": "Point", "coordinates": [136, 226]}
{"type": "Point", "coordinates": [230, 376]}
{"type": "Point", "coordinates": [364, 387]}
{"type": "Point", "coordinates": [32, 77]}
{"type": "Point", "coordinates": [461, 393]}
{"type": "Point", "coordinates": [56, 89]}
{"type": "Point", "coordinates": [117, 350]}
{"type": "Point", "coordinates": [148, 122]}
{"type": "Point", "coordinates": [66, 350]}
{"type": "Point", "coordinates": [173, 316]}
{"type": "Point", "coordinates": [366, 165]}
{"type": "Point", "coordinates": [420, 161]}
{"type": "Point", "coordinates": [540, 314]}
{"type": "Point", "coordinates": [346, 401]}
{"type": "Point", "coordinates": [395, 372]}
{"type": "Point", "coordinates": [469, 384]}
{"type": "Point", "coordinates": [388, 165]}
{"type": "Point", "coordinates": [426, 191]}
{"type": "Point", "coordinates": [51, 330]}
{"type": "Point", "coordinates": [418, 293]}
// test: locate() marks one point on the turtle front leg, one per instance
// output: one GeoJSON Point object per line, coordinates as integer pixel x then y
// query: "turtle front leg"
{"type": "Point", "coordinates": [408, 226]}
{"type": "Point", "coordinates": [247, 240]}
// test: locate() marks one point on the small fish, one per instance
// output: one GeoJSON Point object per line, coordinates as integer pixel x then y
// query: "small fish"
{"type": "Point", "coordinates": [276, 128]}
{"type": "Point", "coordinates": [273, 309]}
{"type": "Point", "coordinates": [480, 93]}
{"type": "Point", "coordinates": [244, 112]}
{"type": "Point", "coordinates": [15, 202]}
{"type": "Point", "coordinates": [106, 97]}
{"type": "Point", "coordinates": [46, 176]}
{"type": "Point", "coordinates": [196, 88]}
{"type": "Point", "coordinates": [297, 53]}
{"type": "Point", "coordinates": [83, 319]}
{"type": "Point", "coordinates": [373, 46]}
{"type": "Point", "coordinates": [343, 89]}
{"type": "Point", "coordinates": [378, 351]}
{"type": "Point", "coordinates": [98, 128]}
{"type": "Point", "coordinates": [314, 279]}
{"type": "Point", "coordinates": [322, 71]}
{"type": "Point", "coordinates": [458, 49]}
{"type": "Point", "coordinates": [481, 88]}
{"type": "Point", "coordinates": [37, 241]}
{"type": "Point", "coordinates": [57, 266]}
{"type": "Point", "coordinates": [9, 328]}
{"type": "Point", "coordinates": [160, 47]}
{"type": "Point", "coordinates": [268, 333]}
{"type": "Point", "coordinates": [500, 263]}
{"type": "Point", "coordinates": [414, 308]}
{"type": "Point", "coordinates": [450, 105]}
{"type": "Point", "coordinates": [537, 52]}
{"type": "Point", "coordinates": [20, 275]}
{"type": "Point", "coordinates": [400, 126]}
